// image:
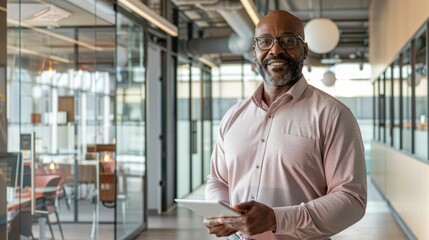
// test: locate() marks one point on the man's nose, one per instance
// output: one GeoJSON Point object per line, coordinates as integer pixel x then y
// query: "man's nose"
{"type": "Point", "coordinates": [276, 49]}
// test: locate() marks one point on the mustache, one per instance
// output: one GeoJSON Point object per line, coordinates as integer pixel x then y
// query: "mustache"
{"type": "Point", "coordinates": [281, 56]}
{"type": "Point", "coordinates": [289, 61]}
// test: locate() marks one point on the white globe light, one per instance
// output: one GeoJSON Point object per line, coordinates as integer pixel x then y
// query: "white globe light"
{"type": "Point", "coordinates": [329, 78]}
{"type": "Point", "coordinates": [418, 79]}
{"type": "Point", "coordinates": [322, 35]}
{"type": "Point", "coordinates": [37, 91]}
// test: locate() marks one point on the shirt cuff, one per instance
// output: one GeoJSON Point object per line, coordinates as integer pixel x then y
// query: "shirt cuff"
{"type": "Point", "coordinates": [284, 219]}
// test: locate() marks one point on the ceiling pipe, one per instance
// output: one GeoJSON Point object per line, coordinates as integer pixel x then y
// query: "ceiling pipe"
{"type": "Point", "coordinates": [192, 2]}
{"type": "Point", "coordinates": [200, 46]}
{"type": "Point", "coordinates": [221, 5]}
{"type": "Point", "coordinates": [239, 21]}
{"type": "Point", "coordinates": [286, 5]}
{"type": "Point", "coordinates": [239, 43]}
{"type": "Point", "coordinates": [230, 44]}
{"type": "Point", "coordinates": [234, 15]}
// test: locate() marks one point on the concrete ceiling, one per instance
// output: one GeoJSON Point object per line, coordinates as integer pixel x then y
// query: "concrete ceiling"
{"type": "Point", "coordinates": [216, 19]}
{"type": "Point", "coordinates": [351, 17]}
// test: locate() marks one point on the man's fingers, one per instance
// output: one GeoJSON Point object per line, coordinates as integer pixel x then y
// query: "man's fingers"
{"type": "Point", "coordinates": [232, 222]}
{"type": "Point", "coordinates": [216, 229]}
{"type": "Point", "coordinates": [242, 207]}
{"type": "Point", "coordinates": [211, 222]}
{"type": "Point", "coordinates": [221, 230]}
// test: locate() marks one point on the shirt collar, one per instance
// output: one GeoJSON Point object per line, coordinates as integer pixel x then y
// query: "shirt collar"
{"type": "Point", "coordinates": [295, 91]}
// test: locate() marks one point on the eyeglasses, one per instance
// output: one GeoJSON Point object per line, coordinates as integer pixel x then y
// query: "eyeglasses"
{"type": "Point", "coordinates": [286, 41]}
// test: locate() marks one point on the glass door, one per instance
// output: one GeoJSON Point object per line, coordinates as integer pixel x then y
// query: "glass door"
{"type": "Point", "coordinates": [196, 127]}
{"type": "Point", "coordinates": [130, 127]}
{"type": "Point", "coordinates": [61, 81]}
{"type": "Point", "coordinates": [207, 143]}
{"type": "Point", "coordinates": [183, 171]}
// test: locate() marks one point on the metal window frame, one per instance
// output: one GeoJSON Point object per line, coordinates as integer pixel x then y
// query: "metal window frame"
{"type": "Point", "coordinates": [392, 106]}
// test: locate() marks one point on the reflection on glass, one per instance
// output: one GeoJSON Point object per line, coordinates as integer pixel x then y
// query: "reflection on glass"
{"type": "Point", "coordinates": [421, 81]}
{"type": "Point", "coordinates": [207, 122]}
{"type": "Point", "coordinates": [196, 127]}
{"type": "Point", "coordinates": [388, 102]}
{"type": "Point", "coordinates": [183, 131]}
{"type": "Point", "coordinates": [396, 104]}
{"type": "Point", "coordinates": [406, 94]}
{"type": "Point", "coordinates": [61, 58]}
{"type": "Point", "coordinates": [130, 127]}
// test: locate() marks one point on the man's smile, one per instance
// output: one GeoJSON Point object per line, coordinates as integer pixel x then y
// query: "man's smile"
{"type": "Point", "coordinates": [276, 63]}
{"type": "Point", "coordinates": [277, 66]}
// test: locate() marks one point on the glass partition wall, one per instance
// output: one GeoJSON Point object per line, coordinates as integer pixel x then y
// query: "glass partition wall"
{"type": "Point", "coordinates": [183, 170]}
{"type": "Point", "coordinates": [76, 80]}
{"type": "Point", "coordinates": [397, 104]}
{"type": "Point", "coordinates": [130, 126]}
{"type": "Point", "coordinates": [421, 100]}
{"type": "Point", "coordinates": [407, 133]}
{"type": "Point", "coordinates": [404, 84]}
{"type": "Point", "coordinates": [196, 127]}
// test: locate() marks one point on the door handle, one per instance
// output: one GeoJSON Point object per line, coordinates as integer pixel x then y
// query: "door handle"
{"type": "Point", "coordinates": [33, 165]}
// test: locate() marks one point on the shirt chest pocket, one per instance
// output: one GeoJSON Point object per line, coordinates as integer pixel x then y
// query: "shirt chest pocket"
{"type": "Point", "coordinates": [297, 152]}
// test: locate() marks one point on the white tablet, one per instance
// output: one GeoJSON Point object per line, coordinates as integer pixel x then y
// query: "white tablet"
{"type": "Point", "coordinates": [209, 209]}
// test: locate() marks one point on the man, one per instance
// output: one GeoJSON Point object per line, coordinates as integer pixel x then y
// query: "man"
{"type": "Point", "coordinates": [290, 157]}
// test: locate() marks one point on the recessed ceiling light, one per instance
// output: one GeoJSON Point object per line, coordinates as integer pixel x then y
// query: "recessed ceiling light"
{"type": "Point", "coordinates": [50, 14]}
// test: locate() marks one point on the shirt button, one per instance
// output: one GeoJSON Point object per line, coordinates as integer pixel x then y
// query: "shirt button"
{"type": "Point", "coordinates": [257, 166]}
{"type": "Point", "coordinates": [252, 197]}
{"type": "Point", "coordinates": [262, 140]}
{"type": "Point", "coordinates": [270, 116]}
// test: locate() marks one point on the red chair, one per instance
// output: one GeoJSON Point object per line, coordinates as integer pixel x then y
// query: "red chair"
{"type": "Point", "coordinates": [50, 186]}
{"type": "Point", "coordinates": [58, 170]}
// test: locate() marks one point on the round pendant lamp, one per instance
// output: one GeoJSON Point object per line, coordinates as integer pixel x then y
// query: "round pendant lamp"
{"type": "Point", "coordinates": [329, 78]}
{"type": "Point", "coordinates": [322, 35]}
{"type": "Point", "coordinates": [418, 79]}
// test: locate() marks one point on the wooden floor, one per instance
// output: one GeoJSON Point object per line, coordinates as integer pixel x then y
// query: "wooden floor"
{"type": "Point", "coordinates": [182, 224]}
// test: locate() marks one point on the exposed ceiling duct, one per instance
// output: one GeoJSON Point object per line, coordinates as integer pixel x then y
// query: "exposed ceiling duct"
{"type": "Point", "coordinates": [192, 2]}
{"type": "Point", "coordinates": [231, 44]}
{"type": "Point", "coordinates": [240, 23]}
{"type": "Point", "coordinates": [221, 5]}
{"type": "Point", "coordinates": [351, 17]}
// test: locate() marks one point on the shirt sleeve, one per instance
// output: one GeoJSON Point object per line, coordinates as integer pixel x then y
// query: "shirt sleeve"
{"type": "Point", "coordinates": [345, 171]}
{"type": "Point", "coordinates": [217, 182]}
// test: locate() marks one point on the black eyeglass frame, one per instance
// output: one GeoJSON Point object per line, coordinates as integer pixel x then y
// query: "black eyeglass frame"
{"type": "Point", "coordinates": [256, 39]}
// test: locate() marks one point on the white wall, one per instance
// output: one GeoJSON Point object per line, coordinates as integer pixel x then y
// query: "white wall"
{"type": "Point", "coordinates": [391, 25]}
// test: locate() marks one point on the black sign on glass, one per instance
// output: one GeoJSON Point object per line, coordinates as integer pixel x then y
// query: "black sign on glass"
{"type": "Point", "coordinates": [25, 142]}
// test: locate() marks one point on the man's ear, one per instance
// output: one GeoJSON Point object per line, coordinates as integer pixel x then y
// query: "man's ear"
{"type": "Point", "coordinates": [254, 52]}
{"type": "Point", "coordinates": [305, 50]}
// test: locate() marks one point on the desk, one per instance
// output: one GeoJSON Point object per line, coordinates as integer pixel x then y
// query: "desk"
{"type": "Point", "coordinates": [16, 203]}
{"type": "Point", "coordinates": [12, 207]}
{"type": "Point", "coordinates": [24, 199]}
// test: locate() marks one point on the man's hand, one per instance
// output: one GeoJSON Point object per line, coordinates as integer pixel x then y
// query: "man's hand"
{"type": "Point", "coordinates": [214, 226]}
{"type": "Point", "coordinates": [257, 218]}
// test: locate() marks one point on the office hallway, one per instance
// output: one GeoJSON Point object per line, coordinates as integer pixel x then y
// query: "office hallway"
{"type": "Point", "coordinates": [181, 224]}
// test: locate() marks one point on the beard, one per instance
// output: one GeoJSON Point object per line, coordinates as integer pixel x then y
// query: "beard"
{"type": "Point", "coordinates": [292, 76]}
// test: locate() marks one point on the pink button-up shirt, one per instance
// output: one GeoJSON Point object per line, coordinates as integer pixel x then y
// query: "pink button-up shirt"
{"type": "Point", "coordinates": [303, 156]}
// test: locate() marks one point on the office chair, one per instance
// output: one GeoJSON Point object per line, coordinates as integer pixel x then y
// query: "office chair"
{"type": "Point", "coordinates": [46, 205]}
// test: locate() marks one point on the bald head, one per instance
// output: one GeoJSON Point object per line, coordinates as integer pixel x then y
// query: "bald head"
{"type": "Point", "coordinates": [282, 20]}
